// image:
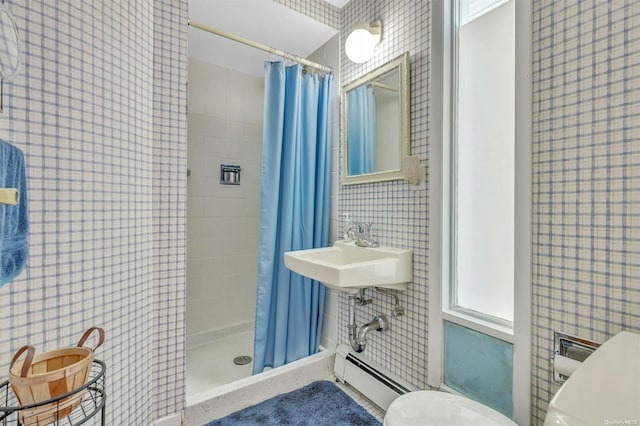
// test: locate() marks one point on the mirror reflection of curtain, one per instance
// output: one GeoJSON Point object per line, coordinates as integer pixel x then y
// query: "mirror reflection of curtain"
{"type": "Point", "coordinates": [361, 130]}
{"type": "Point", "coordinates": [294, 212]}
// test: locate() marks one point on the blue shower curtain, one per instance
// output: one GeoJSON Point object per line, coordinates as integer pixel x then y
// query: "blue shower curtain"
{"type": "Point", "coordinates": [361, 130]}
{"type": "Point", "coordinates": [294, 212]}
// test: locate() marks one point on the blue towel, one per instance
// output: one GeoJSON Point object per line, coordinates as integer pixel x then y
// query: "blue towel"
{"type": "Point", "coordinates": [14, 220]}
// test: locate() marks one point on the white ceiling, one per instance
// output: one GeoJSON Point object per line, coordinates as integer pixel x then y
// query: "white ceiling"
{"type": "Point", "coordinates": [262, 21]}
{"type": "Point", "coordinates": [338, 3]}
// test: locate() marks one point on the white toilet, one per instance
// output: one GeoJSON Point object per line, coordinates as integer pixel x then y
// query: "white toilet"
{"type": "Point", "coordinates": [425, 408]}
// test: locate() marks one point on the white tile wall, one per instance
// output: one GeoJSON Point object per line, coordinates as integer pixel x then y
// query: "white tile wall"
{"type": "Point", "coordinates": [398, 210]}
{"type": "Point", "coordinates": [98, 110]}
{"type": "Point", "coordinates": [225, 127]}
{"type": "Point", "coordinates": [169, 207]}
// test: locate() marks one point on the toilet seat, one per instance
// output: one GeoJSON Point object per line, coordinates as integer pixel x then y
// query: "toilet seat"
{"type": "Point", "coordinates": [422, 408]}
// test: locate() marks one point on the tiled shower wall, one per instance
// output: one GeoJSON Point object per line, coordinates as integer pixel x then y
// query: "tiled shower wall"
{"type": "Point", "coordinates": [586, 177]}
{"type": "Point", "coordinates": [98, 109]}
{"type": "Point", "coordinates": [225, 127]}
{"type": "Point", "coordinates": [398, 209]}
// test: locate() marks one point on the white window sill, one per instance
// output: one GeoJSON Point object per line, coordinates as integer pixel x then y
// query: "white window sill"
{"type": "Point", "coordinates": [502, 332]}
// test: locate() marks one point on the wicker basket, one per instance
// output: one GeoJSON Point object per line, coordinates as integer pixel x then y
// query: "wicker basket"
{"type": "Point", "coordinates": [50, 375]}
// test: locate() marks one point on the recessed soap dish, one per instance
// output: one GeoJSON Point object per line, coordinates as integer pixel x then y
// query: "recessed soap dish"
{"type": "Point", "coordinates": [229, 175]}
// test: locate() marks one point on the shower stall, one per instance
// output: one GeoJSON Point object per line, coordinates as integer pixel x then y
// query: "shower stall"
{"type": "Point", "coordinates": [225, 125]}
{"type": "Point", "coordinates": [224, 129]}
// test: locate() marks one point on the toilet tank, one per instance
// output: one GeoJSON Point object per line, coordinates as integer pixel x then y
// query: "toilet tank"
{"type": "Point", "coordinates": [604, 390]}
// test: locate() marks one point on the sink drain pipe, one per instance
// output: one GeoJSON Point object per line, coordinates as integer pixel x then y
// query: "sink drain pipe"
{"type": "Point", "coordinates": [358, 340]}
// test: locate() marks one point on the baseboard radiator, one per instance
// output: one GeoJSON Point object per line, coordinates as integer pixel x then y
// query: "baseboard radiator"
{"type": "Point", "coordinates": [371, 380]}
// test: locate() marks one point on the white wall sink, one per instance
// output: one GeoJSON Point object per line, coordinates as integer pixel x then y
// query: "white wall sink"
{"type": "Point", "coordinates": [347, 267]}
{"type": "Point", "coordinates": [605, 389]}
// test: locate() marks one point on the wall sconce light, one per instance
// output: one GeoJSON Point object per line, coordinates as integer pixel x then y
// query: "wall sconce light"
{"type": "Point", "coordinates": [363, 39]}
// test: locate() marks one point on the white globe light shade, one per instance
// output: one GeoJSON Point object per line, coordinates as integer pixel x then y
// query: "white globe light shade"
{"type": "Point", "coordinates": [359, 45]}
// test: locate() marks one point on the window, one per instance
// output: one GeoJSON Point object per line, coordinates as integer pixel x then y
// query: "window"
{"type": "Point", "coordinates": [480, 245]}
{"type": "Point", "coordinates": [482, 156]}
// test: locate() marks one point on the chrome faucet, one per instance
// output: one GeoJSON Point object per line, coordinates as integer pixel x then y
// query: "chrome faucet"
{"type": "Point", "coordinates": [350, 228]}
{"type": "Point", "coordinates": [363, 237]}
{"type": "Point", "coordinates": [360, 232]}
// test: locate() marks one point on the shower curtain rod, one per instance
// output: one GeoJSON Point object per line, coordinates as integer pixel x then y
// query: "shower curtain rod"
{"type": "Point", "coordinates": [260, 46]}
{"type": "Point", "coordinates": [384, 86]}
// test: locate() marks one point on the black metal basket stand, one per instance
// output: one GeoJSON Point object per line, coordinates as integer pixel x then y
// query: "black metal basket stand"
{"type": "Point", "coordinates": [93, 402]}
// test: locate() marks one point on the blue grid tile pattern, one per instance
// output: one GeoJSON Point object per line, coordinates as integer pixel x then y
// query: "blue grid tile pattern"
{"type": "Point", "coordinates": [399, 212]}
{"type": "Point", "coordinates": [169, 205]}
{"type": "Point", "coordinates": [586, 177]}
{"type": "Point", "coordinates": [88, 113]}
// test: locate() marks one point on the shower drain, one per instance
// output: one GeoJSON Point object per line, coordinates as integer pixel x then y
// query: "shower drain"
{"type": "Point", "coordinates": [242, 360]}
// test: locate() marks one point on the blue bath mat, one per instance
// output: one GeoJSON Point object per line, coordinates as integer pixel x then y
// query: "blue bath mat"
{"type": "Point", "coordinates": [318, 404]}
